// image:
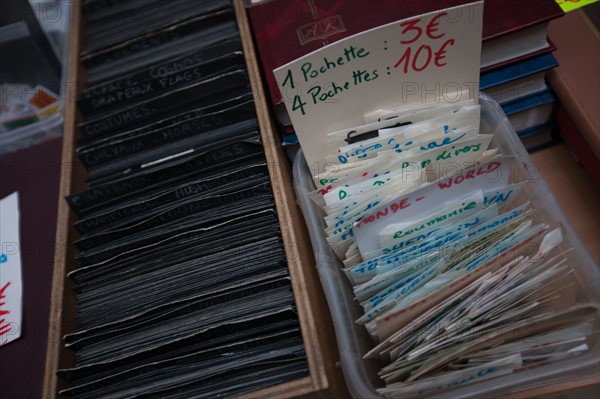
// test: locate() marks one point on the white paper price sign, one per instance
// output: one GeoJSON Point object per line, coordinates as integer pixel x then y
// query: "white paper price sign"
{"type": "Point", "coordinates": [431, 58]}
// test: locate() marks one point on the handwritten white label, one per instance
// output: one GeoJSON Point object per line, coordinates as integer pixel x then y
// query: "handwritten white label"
{"type": "Point", "coordinates": [10, 270]}
{"type": "Point", "coordinates": [416, 205]}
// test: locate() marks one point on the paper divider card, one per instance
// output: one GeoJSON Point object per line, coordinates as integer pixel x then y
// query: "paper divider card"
{"type": "Point", "coordinates": [410, 208]}
{"type": "Point", "coordinates": [431, 58]}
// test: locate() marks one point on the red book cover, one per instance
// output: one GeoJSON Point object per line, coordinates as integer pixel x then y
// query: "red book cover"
{"type": "Point", "coordinates": [288, 29]}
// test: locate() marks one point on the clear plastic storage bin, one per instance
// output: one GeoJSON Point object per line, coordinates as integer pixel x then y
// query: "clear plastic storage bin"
{"type": "Point", "coordinates": [54, 19]}
{"type": "Point", "coordinates": [37, 132]}
{"type": "Point", "coordinates": [353, 340]}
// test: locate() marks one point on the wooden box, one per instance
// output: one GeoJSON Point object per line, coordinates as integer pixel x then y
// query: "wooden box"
{"type": "Point", "coordinates": [325, 378]}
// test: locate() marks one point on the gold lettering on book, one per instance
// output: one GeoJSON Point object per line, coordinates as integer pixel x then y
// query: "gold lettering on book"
{"type": "Point", "coordinates": [320, 30]}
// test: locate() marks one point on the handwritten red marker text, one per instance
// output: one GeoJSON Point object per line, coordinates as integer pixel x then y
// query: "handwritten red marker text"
{"type": "Point", "coordinates": [423, 55]}
{"type": "Point", "coordinates": [4, 328]}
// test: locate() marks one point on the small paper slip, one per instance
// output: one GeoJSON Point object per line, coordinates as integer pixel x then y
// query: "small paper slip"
{"type": "Point", "coordinates": [10, 270]}
{"type": "Point", "coordinates": [410, 208]}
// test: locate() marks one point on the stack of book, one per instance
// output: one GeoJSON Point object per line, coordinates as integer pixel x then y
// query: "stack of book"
{"type": "Point", "coordinates": [515, 50]}
{"type": "Point", "coordinates": [519, 84]}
